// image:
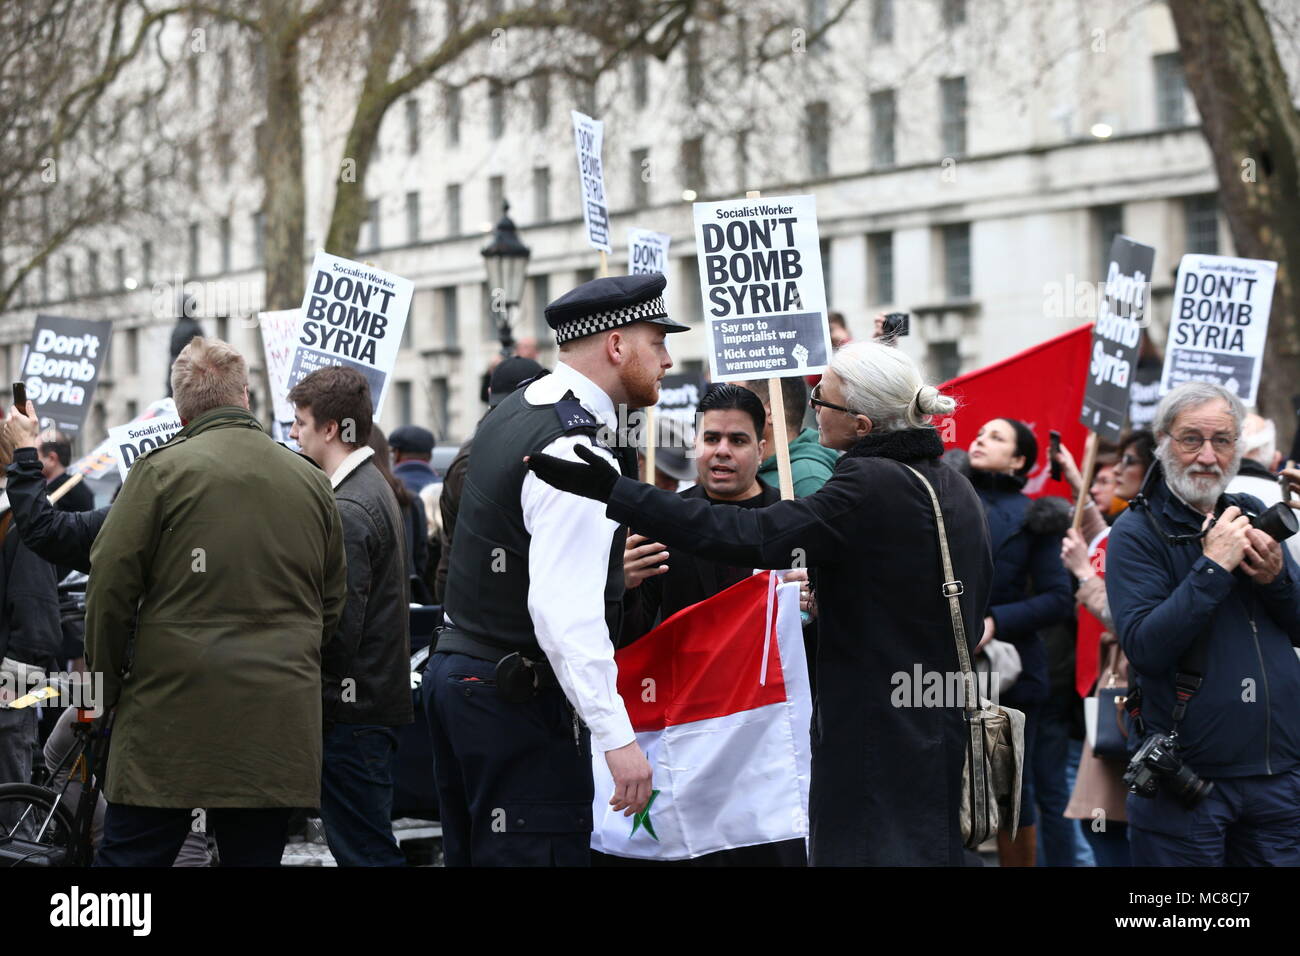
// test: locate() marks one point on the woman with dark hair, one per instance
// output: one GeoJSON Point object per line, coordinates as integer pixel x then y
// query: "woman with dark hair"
{"type": "Point", "coordinates": [412, 509]}
{"type": "Point", "coordinates": [1031, 590]}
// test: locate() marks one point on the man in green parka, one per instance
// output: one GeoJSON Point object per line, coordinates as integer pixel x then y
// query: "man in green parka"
{"type": "Point", "coordinates": [214, 581]}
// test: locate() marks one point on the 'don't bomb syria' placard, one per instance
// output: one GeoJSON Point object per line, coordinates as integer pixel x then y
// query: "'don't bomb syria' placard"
{"type": "Point", "coordinates": [352, 315]}
{"type": "Point", "coordinates": [761, 280]}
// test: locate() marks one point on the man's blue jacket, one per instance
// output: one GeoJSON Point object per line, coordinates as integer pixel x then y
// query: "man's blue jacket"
{"type": "Point", "coordinates": [1245, 719]}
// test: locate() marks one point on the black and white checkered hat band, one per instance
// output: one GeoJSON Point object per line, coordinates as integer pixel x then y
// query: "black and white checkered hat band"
{"type": "Point", "coordinates": [613, 319]}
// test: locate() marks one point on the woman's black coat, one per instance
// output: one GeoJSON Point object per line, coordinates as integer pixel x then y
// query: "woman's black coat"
{"type": "Point", "coordinates": [1031, 589]}
{"type": "Point", "coordinates": [886, 773]}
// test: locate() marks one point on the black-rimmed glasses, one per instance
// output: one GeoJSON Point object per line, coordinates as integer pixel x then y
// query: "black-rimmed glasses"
{"type": "Point", "coordinates": [814, 401]}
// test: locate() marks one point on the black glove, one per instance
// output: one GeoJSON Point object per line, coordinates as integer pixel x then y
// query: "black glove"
{"type": "Point", "coordinates": [595, 479]}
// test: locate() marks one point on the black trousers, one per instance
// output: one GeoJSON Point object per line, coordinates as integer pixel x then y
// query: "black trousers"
{"type": "Point", "coordinates": [151, 836]}
{"type": "Point", "coordinates": [514, 784]}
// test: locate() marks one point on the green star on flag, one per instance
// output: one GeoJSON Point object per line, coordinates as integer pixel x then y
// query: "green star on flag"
{"type": "Point", "coordinates": [642, 819]}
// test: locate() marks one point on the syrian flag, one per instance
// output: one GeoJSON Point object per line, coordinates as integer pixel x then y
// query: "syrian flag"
{"type": "Point", "coordinates": [718, 696]}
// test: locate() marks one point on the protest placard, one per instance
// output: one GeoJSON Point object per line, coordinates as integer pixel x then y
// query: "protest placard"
{"type": "Point", "coordinates": [62, 366]}
{"type": "Point", "coordinates": [158, 424]}
{"type": "Point", "coordinates": [279, 342]}
{"type": "Point", "coordinates": [352, 315]}
{"type": "Point", "coordinates": [1116, 335]}
{"type": "Point", "coordinates": [647, 252]}
{"type": "Point", "coordinates": [589, 135]}
{"type": "Point", "coordinates": [1219, 323]}
{"type": "Point", "coordinates": [761, 280]}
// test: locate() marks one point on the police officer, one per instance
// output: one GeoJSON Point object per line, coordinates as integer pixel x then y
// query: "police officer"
{"type": "Point", "coordinates": [523, 682]}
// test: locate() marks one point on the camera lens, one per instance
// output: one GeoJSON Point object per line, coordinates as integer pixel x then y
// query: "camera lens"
{"type": "Point", "coordinates": [1278, 522]}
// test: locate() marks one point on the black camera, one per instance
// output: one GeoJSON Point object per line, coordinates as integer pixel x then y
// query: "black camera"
{"type": "Point", "coordinates": [896, 324]}
{"type": "Point", "coordinates": [1278, 522]}
{"type": "Point", "coordinates": [1158, 760]}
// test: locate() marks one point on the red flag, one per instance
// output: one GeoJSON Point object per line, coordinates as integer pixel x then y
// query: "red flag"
{"type": "Point", "coordinates": [1042, 386]}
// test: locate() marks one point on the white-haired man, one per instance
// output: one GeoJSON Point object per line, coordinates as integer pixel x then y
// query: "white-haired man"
{"type": "Point", "coordinates": [1207, 611]}
{"type": "Point", "coordinates": [1259, 467]}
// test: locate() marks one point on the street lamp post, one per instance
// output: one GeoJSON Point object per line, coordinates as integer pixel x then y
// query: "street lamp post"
{"type": "Point", "coordinates": [507, 261]}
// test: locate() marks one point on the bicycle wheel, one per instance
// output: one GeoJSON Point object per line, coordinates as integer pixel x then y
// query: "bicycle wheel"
{"type": "Point", "coordinates": [34, 829]}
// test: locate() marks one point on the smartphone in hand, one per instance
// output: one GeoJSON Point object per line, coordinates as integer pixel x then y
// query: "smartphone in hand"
{"type": "Point", "coordinates": [20, 396]}
{"type": "Point", "coordinates": [1055, 438]}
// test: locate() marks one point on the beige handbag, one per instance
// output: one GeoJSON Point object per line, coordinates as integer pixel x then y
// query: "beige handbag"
{"type": "Point", "coordinates": [995, 743]}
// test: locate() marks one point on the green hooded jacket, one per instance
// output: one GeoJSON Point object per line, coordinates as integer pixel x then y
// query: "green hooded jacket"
{"type": "Point", "coordinates": [811, 464]}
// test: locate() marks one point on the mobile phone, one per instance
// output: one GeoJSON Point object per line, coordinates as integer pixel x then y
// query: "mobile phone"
{"type": "Point", "coordinates": [896, 324]}
{"type": "Point", "coordinates": [20, 396]}
{"type": "Point", "coordinates": [1054, 437]}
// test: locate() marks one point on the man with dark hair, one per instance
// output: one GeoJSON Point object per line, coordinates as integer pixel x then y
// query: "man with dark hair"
{"type": "Point", "coordinates": [728, 448]}
{"type": "Point", "coordinates": [364, 665]}
{"type": "Point", "coordinates": [811, 462]}
{"type": "Point", "coordinates": [55, 453]}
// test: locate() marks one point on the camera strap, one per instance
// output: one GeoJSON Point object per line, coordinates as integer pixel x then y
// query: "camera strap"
{"type": "Point", "coordinates": [1189, 676]}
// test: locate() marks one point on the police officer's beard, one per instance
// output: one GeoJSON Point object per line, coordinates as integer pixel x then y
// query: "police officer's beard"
{"type": "Point", "coordinates": [640, 384]}
{"type": "Point", "coordinates": [1199, 492]}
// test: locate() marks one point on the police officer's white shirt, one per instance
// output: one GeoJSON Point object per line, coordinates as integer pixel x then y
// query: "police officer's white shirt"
{"type": "Point", "coordinates": [568, 564]}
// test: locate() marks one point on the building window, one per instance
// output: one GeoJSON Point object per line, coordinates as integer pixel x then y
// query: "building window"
{"type": "Point", "coordinates": [1202, 217]}
{"type": "Point", "coordinates": [586, 275]}
{"type": "Point", "coordinates": [371, 226]}
{"type": "Point", "coordinates": [412, 126]}
{"type": "Point", "coordinates": [541, 299]}
{"type": "Point", "coordinates": [693, 164]}
{"type": "Point", "coordinates": [640, 178]}
{"type": "Point", "coordinates": [224, 156]}
{"type": "Point", "coordinates": [882, 128]}
{"type": "Point", "coordinates": [541, 101]}
{"type": "Point", "coordinates": [742, 160]}
{"type": "Point", "coordinates": [640, 81]}
{"type": "Point", "coordinates": [954, 13]}
{"type": "Point", "coordinates": [69, 286]}
{"type": "Point", "coordinates": [542, 194]}
{"type": "Point", "coordinates": [146, 262]}
{"type": "Point", "coordinates": [496, 109]}
{"type": "Point", "coordinates": [880, 268]}
{"type": "Point", "coordinates": [132, 409]}
{"type": "Point", "coordinates": [819, 138]}
{"type": "Point", "coordinates": [882, 21]}
{"type": "Point", "coordinates": [404, 403]}
{"type": "Point", "coordinates": [224, 232]}
{"type": "Point", "coordinates": [450, 317]}
{"type": "Point", "coordinates": [1170, 89]}
{"type": "Point", "coordinates": [440, 397]}
{"type": "Point", "coordinates": [44, 273]}
{"type": "Point", "coordinates": [195, 164]}
{"type": "Point", "coordinates": [451, 109]}
{"type": "Point", "coordinates": [694, 68]}
{"type": "Point", "coordinates": [1108, 222]}
{"type": "Point", "coordinates": [944, 361]}
{"type": "Point", "coordinates": [956, 261]}
{"type": "Point", "coordinates": [453, 209]}
{"type": "Point", "coordinates": [584, 84]}
{"type": "Point", "coordinates": [952, 94]}
{"type": "Point", "coordinates": [824, 247]}
{"type": "Point", "coordinates": [496, 197]}
{"type": "Point", "coordinates": [223, 328]}
{"type": "Point", "coordinates": [194, 248]}
{"type": "Point", "coordinates": [225, 75]}
{"type": "Point", "coordinates": [133, 353]}
{"type": "Point", "coordinates": [119, 263]}
{"type": "Point", "coordinates": [259, 238]}
{"type": "Point", "coordinates": [413, 217]}
{"type": "Point", "coordinates": [689, 270]}
{"type": "Point", "coordinates": [192, 75]}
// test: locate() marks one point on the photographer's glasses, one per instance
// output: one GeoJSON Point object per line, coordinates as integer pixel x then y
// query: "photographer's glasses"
{"type": "Point", "coordinates": [1191, 443]}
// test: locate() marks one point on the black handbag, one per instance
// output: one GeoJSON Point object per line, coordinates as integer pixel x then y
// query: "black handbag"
{"type": "Point", "coordinates": [1112, 728]}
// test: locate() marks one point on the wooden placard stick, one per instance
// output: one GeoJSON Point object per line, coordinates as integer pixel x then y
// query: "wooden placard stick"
{"type": "Point", "coordinates": [779, 436]}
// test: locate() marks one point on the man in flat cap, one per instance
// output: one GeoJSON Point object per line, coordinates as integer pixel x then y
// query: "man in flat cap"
{"type": "Point", "coordinates": [412, 448]}
{"type": "Point", "coordinates": [524, 680]}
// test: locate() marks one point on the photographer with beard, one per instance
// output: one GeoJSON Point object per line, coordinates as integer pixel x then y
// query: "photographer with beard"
{"type": "Point", "coordinates": [1207, 610]}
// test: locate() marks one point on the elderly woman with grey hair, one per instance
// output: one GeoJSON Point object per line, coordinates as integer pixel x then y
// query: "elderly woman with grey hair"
{"type": "Point", "coordinates": [886, 778]}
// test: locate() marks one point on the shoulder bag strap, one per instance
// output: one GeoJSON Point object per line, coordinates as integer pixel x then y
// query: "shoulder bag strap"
{"type": "Point", "coordinates": [952, 588]}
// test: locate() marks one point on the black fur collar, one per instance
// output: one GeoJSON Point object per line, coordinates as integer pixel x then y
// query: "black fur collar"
{"type": "Point", "coordinates": [996, 481]}
{"type": "Point", "coordinates": [909, 444]}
